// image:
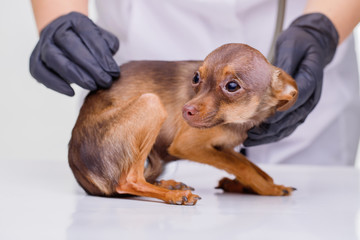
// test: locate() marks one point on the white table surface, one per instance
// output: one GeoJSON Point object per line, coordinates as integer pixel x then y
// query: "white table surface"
{"type": "Point", "coordinates": [41, 200]}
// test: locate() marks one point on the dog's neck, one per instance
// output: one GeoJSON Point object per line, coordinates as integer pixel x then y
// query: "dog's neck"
{"type": "Point", "coordinates": [242, 128]}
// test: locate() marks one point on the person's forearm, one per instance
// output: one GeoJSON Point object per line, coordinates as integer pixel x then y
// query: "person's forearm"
{"type": "Point", "coordinates": [47, 10]}
{"type": "Point", "coordinates": [344, 14]}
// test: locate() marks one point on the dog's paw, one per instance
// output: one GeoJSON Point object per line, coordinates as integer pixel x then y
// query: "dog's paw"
{"type": "Point", "coordinates": [284, 191]}
{"type": "Point", "coordinates": [269, 189]}
{"type": "Point", "coordinates": [173, 185]}
{"type": "Point", "coordinates": [232, 185]}
{"type": "Point", "coordinates": [179, 197]}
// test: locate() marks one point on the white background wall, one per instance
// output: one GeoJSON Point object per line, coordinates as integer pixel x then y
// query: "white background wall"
{"type": "Point", "coordinates": [35, 123]}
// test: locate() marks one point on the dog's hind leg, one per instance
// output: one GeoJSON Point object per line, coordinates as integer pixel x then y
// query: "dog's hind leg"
{"type": "Point", "coordinates": [144, 123]}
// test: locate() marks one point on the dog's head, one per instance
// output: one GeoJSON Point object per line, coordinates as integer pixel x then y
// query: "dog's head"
{"type": "Point", "coordinates": [236, 84]}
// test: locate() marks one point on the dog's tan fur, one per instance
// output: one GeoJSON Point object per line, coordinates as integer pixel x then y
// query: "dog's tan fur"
{"type": "Point", "coordinates": [155, 110]}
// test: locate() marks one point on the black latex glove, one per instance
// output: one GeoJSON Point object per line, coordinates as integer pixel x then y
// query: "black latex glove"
{"type": "Point", "coordinates": [72, 49]}
{"type": "Point", "coordinates": [303, 51]}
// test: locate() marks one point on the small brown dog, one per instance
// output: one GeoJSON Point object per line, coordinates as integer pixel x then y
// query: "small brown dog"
{"type": "Point", "coordinates": [162, 111]}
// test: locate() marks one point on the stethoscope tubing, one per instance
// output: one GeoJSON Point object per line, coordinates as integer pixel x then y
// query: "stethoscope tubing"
{"type": "Point", "coordinates": [278, 29]}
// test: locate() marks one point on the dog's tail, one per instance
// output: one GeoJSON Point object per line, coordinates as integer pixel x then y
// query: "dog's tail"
{"type": "Point", "coordinates": [154, 167]}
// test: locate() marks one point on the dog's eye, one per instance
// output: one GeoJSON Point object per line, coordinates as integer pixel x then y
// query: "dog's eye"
{"type": "Point", "coordinates": [196, 78]}
{"type": "Point", "coordinates": [232, 86]}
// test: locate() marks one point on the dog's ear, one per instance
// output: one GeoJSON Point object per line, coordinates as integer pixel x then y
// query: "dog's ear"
{"type": "Point", "coordinates": [284, 88]}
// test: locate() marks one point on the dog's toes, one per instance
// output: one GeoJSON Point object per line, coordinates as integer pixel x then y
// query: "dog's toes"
{"type": "Point", "coordinates": [232, 185]}
{"type": "Point", "coordinates": [180, 197]}
{"type": "Point", "coordinates": [193, 200]}
{"type": "Point", "coordinates": [223, 183]}
{"type": "Point", "coordinates": [286, 191]}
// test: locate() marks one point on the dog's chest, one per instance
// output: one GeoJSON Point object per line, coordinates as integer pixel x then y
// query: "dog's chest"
{"type": "Point", "coordinates": [233, 134]}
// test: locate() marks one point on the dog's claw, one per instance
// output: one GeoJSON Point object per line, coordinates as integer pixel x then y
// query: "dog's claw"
{"type": "Point", "coordinates": [188, 201]}
{"type": "Point", "coordinates": [294, 189]}
{"type": "Point", "coordinates": [186, 187]}
{"type": "Point", "coordinates": [191, 203]}
{"type": "Point", "coordinates": [182, 186]}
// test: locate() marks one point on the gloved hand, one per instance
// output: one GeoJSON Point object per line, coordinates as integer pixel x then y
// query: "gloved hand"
{"type": "Point", "coordinates": [303, 51]}
{"type": "Point", "coordinates": [72, 49]}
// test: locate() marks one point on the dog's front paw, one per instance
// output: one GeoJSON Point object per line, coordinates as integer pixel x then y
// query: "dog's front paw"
{"type": "Point", "coordinates": [234, 185]}
{"type": "Point", "coordinates": [284, 191]}
{"type": "Point", "coordinates": [274, 190]}
{"type": "Point", "coordinates": [180, 197]}
{"type": "Point", "coordinates": [268, 189]}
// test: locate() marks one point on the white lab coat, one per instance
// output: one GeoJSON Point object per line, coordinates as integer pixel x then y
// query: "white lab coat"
{"type": "Point", "coordinates": [190, 29]}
